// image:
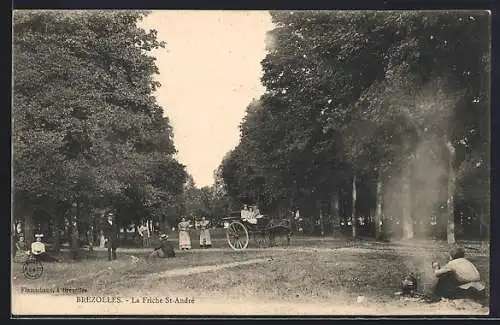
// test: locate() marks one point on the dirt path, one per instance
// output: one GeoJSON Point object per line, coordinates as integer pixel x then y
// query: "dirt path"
{"type": "Point", "coordinates": [359, 249]}
{"type": "Point", "coordinates": [202, 269]}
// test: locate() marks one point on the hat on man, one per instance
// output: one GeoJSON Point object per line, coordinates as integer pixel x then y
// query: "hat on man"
{"type": "Point", "coordinates": [39, 235]}
{"type": "Point", "coordinates": [163, 236]}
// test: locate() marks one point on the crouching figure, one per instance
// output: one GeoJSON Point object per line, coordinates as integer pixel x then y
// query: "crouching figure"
{"type": "Point", "coordinates": [164, 249]}
{"type": "Point", "coordinates": [459, 278]}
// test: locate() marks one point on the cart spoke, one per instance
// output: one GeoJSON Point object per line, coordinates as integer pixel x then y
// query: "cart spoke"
{"type": "Point", "coordinates": [237, 236]}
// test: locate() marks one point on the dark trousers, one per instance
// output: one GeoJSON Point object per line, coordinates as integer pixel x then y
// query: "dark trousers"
{"type": "Point", "coordinates": [447, 286]}
{"type": "Point", "coordinates": [44, 257]}
{"type": "Point", "coordinates": [111, 251]}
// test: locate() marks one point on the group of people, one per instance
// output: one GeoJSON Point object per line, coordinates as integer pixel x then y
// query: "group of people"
{"type": "Point", "coordinates": [250, 214]}
{"type": "Point", "coordinates": [458, 277]}
{"type": "Point", "coordinates": [37, 250]}
{"type": "Point", "coordinates": [163, 248]}
{"type": "Point", "coordinates": [185, 239]}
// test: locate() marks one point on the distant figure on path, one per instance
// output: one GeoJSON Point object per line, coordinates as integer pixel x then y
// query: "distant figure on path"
{"type": "Point", "coordinates": [459, 278]}
{"type": "Point", "coordinates": [205, 238]}
{"type": "Point", "coordinates": [144, 233]}
{"type": "Point", "coordinates": [164, 249]}
{"type": "Point", "coordinates": [184, 239]}
{"type": "Point", "coordinates": [111, 233]}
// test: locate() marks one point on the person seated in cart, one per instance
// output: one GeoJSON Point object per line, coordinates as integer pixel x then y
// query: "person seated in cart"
{"type": "Point", "coordinates": [250, 215]}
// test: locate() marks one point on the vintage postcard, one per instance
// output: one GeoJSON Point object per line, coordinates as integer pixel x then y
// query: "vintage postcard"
{"type": "Point", "coordinates": [291, 163]}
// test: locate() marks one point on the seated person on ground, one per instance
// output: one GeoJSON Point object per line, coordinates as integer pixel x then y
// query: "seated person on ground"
{"type": "Point", "coordinates": [459, 278]}
{"type": "Point", "coordinates": [38, 250]}
{"type": "Point", "coordinates": [163, 249]}
{"type": "Point", "coordinates": [21, 251]}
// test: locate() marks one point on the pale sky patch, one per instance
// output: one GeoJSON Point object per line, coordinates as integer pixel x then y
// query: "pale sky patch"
{"type": "Point", "coordinates": [210, 71]}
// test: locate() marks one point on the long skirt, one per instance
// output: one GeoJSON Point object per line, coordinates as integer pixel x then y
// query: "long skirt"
{"type": "Point", "coordinates": [20, 257]}
{"type": "Point", "coordinates": [184, 240]}
{"type": "Point", "coordinates": [205, 239]}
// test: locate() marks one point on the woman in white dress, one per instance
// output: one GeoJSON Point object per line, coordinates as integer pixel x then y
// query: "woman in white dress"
{"type": "Point", "coordinates": [184, 239]}
{"type": "Point", "coordinates": [205, 239]}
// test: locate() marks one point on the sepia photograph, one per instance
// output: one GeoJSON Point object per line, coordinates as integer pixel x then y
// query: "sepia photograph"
{"type": "Point", "coordinates": [250, 162]}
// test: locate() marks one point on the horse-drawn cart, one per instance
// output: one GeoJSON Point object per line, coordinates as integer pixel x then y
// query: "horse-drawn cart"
{"type": "Point", "coordinates": [265, 231]}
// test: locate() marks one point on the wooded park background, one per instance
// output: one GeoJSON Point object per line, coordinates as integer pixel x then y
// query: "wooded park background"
{"type": "Point", "coordinates": [381, 115]}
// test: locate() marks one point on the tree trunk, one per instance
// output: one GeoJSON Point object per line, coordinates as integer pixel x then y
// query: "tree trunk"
{"type": "Point", "coordinates": [483, 223]}
{"type": "Point", "coordinates": [406, 207]}
{"type": "Point", "coordinates": [321, 220]}
{"type": "Point", "coordinates": [378, 209]}
{"type": "Point", "coordinates": [102, 239]}
{"type": "Point", "coordinates": [91, 231]}
{"type": "Point", "coordinates": [163, 225]}
{"type": "Point", "coordinates": [56, 247]}
{"type": "Point", "coordinates": [290, 221]}
{"type": "Point", "coordinates": [149, 223]}
{"type": "Point", "coordinates": [291, 214]}
{"type": "Point", "coordinates": [13, 233]}
{"type": "Point", "coordinates": [353, 214]}
{"type": "Point", "coordinates": [74, 231]}
{"type": "Point", "coordinates": [29, 235]}
{"type": "Point", "coordinates": [335, 214]}
{"type": "Point", "coordinates": [450, 228]}
{"type": "Point", "coordinates": [480, 223]}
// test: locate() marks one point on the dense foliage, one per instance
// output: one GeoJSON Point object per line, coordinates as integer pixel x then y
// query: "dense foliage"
{"type": "Point", "coordinates": [370, 101]}
{"type": "Point", "coordinates": [88, 134]}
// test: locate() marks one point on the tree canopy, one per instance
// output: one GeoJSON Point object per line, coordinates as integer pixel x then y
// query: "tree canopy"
{"type": "Point", "coordinates": [86, 124]}
{"type": "Point", "coordinates": [356, 92]}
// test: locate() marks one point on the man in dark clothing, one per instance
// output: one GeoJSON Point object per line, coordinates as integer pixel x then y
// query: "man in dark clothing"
{"type": "Point", "coordinates": [163, 249]}
{"type": "Point", "coordinates": [111, 232]}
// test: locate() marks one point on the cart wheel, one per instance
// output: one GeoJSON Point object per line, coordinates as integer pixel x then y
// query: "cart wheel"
{"type": "Point", "coordinates": [32, 269]}
{"type": "Point", "coordinates": [237, 236]}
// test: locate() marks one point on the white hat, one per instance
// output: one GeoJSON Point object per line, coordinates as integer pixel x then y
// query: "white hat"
{"type": "Point", "coordinates": [39, 235]}
{"type": "Point", "coordinates": [163, 236]}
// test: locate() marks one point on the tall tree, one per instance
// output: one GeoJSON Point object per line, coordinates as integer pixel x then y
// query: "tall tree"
{"type": "Point", "coordinates": [84, 104]}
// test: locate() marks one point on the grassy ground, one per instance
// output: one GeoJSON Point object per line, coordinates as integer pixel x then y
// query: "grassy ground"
{"type": "Point", "coordinates": [310, 271]}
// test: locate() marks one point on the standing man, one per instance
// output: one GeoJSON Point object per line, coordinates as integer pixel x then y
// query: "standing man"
{"type": "Point", "coordinates": [111, 232]}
